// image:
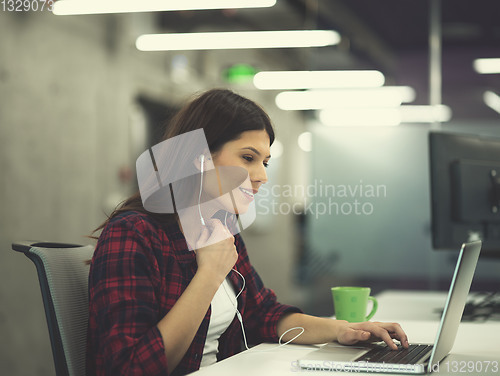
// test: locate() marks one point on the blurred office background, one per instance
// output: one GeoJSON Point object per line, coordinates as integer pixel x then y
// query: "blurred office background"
{"type": "Point", "coordinates": [80, 102]}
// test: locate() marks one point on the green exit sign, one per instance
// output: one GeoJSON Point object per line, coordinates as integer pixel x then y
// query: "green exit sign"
{"type": "Point", "coordinates": [239, 73]}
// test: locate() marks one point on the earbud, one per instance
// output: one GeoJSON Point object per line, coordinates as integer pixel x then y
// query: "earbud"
{"type": "Point", "coordinates": [201, 158]}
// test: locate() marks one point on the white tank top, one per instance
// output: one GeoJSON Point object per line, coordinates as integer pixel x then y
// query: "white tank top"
{"type": "Point", "coordinates": [223, 311]}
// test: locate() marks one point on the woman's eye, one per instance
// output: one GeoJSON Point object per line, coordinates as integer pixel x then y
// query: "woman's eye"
{"type": "Point", "coordinates": [249, 158]}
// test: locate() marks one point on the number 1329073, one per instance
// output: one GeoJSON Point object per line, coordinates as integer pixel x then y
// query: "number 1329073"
{"type": "Point", "coordinates": [26, 5]}
{"type": "Point", "coordinates": [471, 366]}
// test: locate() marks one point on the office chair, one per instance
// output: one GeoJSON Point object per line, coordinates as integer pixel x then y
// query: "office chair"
{"type": "Point", "coordinates": [63, 275]}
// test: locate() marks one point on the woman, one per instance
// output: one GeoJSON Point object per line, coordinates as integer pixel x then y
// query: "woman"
{"type": "Point", "coordinates": [158, 308]}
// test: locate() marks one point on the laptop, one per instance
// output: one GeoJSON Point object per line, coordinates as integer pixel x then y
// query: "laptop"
{"type": "Point", "coordinates": [417, 359]}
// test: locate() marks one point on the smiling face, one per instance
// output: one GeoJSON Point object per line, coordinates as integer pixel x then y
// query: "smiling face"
{"type": "Point", "coordinates": [251, 151]}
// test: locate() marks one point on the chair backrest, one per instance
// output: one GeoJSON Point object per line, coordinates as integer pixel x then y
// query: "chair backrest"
{"type": "Point", "coordinates": [63, 276]}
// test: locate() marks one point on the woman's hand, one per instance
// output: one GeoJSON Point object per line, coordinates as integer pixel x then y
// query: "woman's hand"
{"type": "Point", "coordinates": [352, 333]}
{"type": "Point", "coordinates": [321, 330]}
{"type": "Point", "coordinates": [217, 258]}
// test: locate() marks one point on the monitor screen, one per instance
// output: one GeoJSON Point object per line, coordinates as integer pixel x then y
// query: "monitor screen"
{"type": "Point", "coordinates": [465, 190]}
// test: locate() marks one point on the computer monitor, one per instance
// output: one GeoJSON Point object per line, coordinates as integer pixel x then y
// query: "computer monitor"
{"type": "Point", "coordinates": [465, 190]}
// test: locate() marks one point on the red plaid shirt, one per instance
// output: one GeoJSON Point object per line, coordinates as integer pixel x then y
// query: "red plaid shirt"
{"type": "Point", "coordinates": [138, 272]}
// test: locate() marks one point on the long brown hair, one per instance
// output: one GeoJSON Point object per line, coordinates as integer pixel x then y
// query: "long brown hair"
{"type": "Point", "coordinates": [223, 115]}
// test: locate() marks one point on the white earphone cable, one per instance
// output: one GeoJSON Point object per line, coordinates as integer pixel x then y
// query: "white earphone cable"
{"type": "Point", "coordinates": [240, 318]}
{"type": "Point", "coordinates": [202, 159]}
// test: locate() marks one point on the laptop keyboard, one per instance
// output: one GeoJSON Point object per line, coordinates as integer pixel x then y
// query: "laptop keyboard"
{"type": "Point", "coordinates": [384, 354]}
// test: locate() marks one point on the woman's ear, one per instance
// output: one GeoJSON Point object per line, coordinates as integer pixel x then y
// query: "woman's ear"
{"type": "Point", "coordinates": [205, 160]}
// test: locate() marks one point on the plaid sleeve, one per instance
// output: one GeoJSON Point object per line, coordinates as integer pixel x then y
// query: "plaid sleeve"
{"type": "Point", "coordinates": [124, 306]}
{"type": "Point", "coordinates": [262, 310]}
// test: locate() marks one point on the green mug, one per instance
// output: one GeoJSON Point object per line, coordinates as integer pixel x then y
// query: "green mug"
{"type": "Point", "coordinates": [350, 303]}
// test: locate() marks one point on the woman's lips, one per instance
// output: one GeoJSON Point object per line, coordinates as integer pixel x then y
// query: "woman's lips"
{"type": "Point", "coordinates": [248, 193]}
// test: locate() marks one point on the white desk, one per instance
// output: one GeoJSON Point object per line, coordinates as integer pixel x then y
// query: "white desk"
{"type": "Point", "coordinates": [399, 305]}
{"type": "Point", "coordinates": [476, 342]}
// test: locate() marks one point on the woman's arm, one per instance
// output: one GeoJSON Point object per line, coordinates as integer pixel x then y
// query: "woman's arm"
{"type": "Point", "coordinates": [322, 330]}
{"type": "Point", "coordinates": [179, 326]}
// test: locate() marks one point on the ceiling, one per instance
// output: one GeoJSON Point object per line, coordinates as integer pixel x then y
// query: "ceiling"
{"type": "Point", "coordinates": [389, 35]}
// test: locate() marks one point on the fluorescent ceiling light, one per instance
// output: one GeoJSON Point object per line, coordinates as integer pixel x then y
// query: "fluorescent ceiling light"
{"type": "Point", "coordinates": [237, 40]}
{"type": "Point", "coordinates": [384, 116]}
{"type": "Point", "coordinates": [360, 117]}
{"type": "Point", "coordinates": [487, 66]}
{"type": "Point", "coordinates": [387, 96]}
{"type": "Point", "coordinates": [73, 7]}
{"type": "Point", "coordinates": [287, 80]}
{"type": "Point", "coordinates": [492, 100]}
{"type": "Point", "coordinates": [425, 114]}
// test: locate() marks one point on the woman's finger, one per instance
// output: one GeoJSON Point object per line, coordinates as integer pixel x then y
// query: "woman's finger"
{"type": "Point", "coordinates": [378, 332]}
{"type": "Point", "coordinates": [396, 332]}
{"type": "Point", "coordinates": [202, 240]}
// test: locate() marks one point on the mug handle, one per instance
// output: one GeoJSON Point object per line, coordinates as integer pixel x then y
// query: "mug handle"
{"type": "Point", "coordinates": [374, 308]}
